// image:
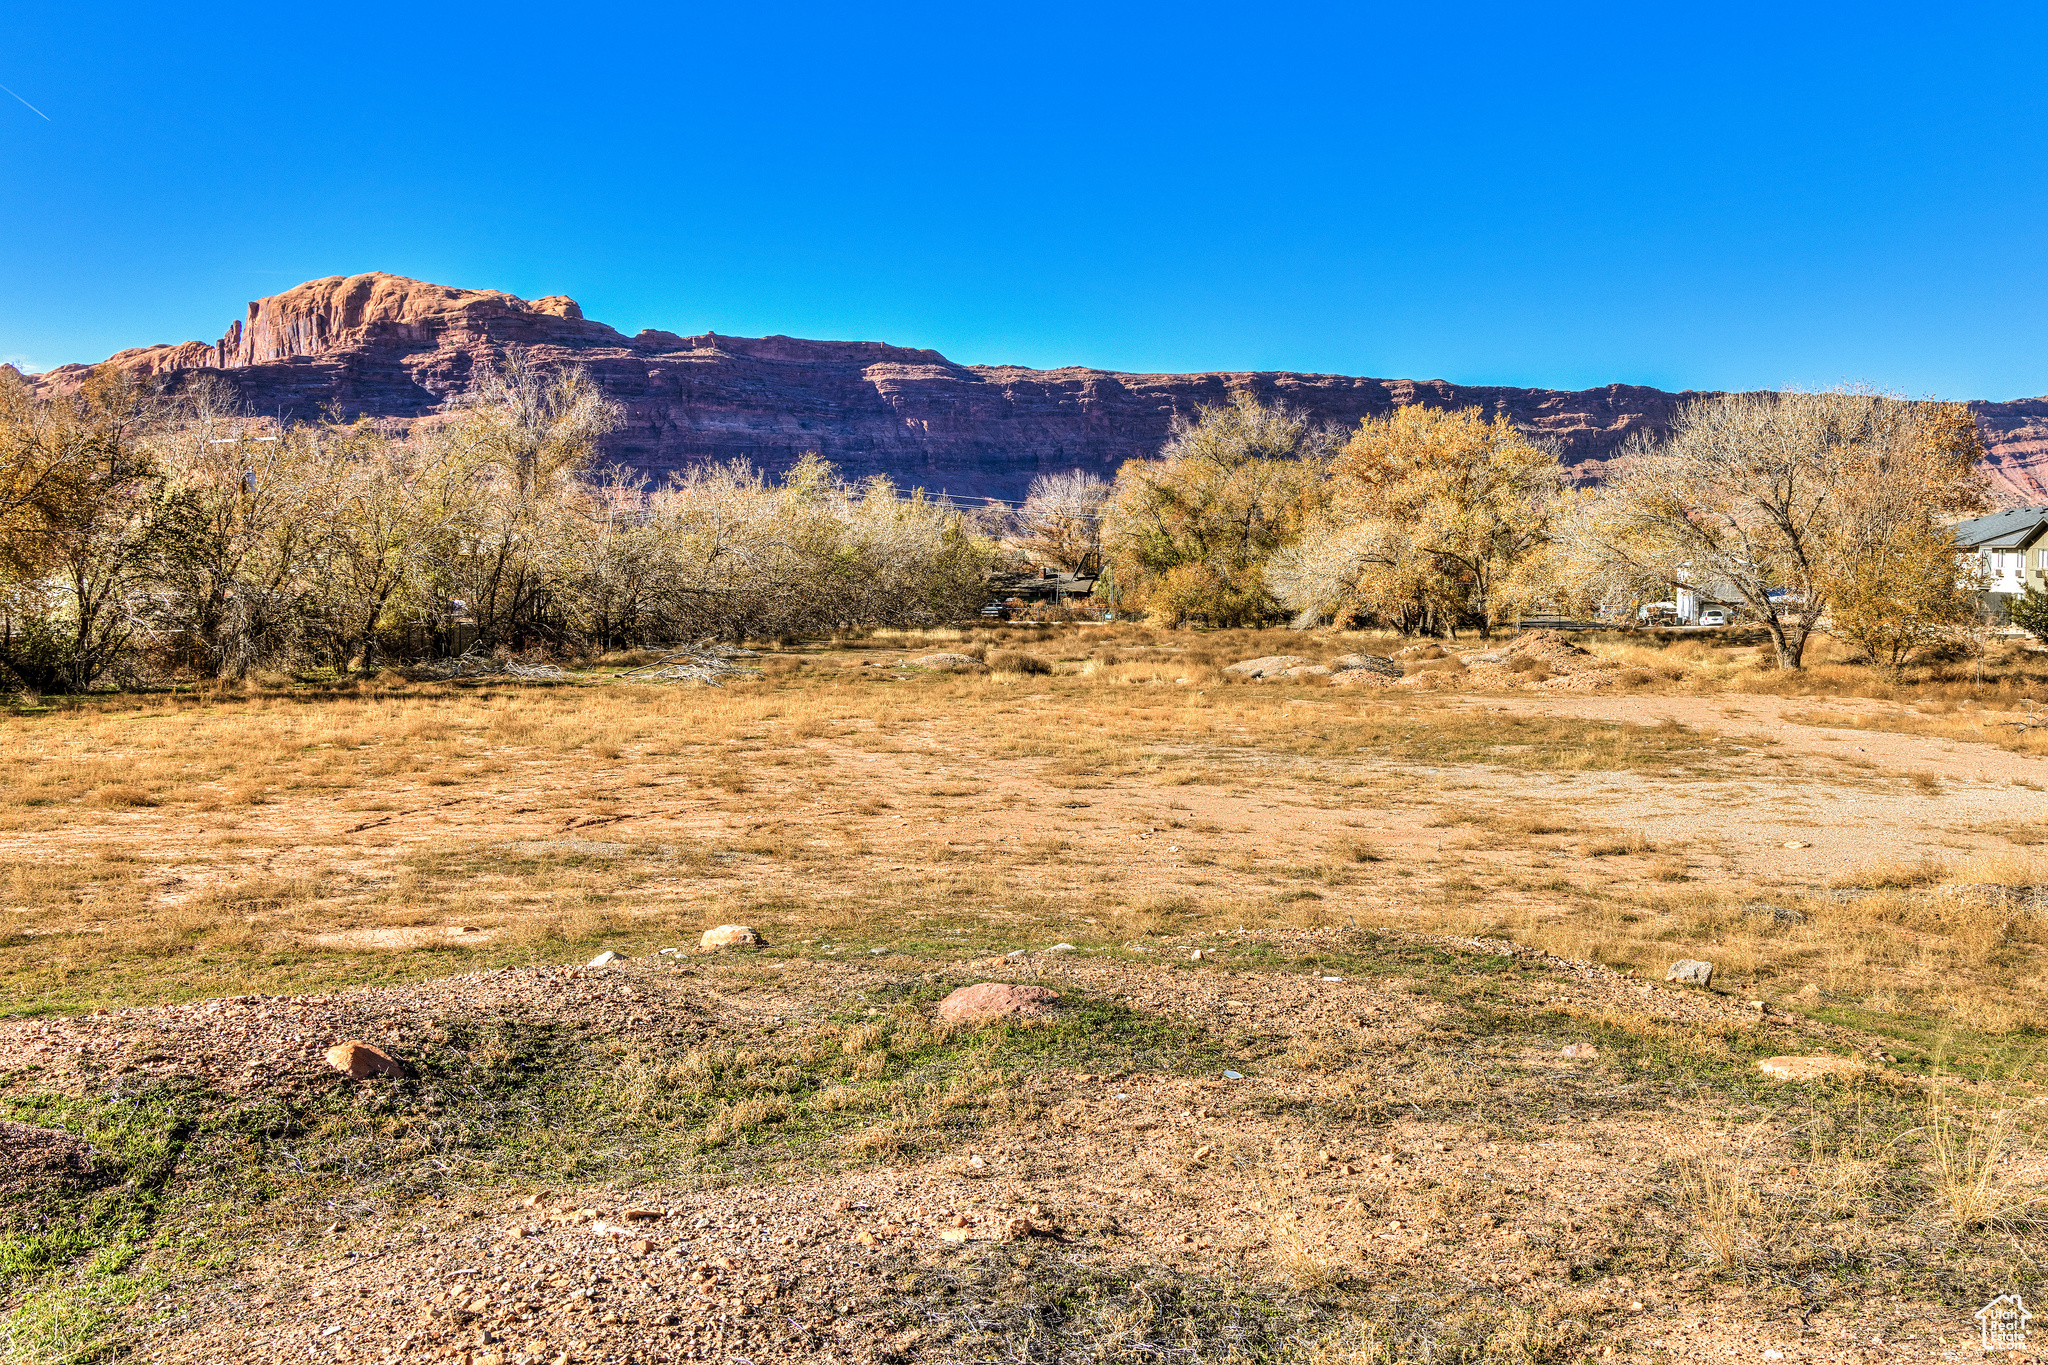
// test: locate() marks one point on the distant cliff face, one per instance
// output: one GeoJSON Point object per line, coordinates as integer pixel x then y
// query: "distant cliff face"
{"type": "Point", "coordinates": [393, 347]}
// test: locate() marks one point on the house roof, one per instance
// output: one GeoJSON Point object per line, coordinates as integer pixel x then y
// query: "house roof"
{"type": "Point", "coordinates": [2007, 530]}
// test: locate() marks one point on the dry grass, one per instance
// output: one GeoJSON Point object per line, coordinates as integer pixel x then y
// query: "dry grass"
{"type": "Point", "coordinates": [175, 843]}
{"type": "Point", "coordinates": [1127, 800]}
{"type": "Point", "coordinates": [172, 845]}
{"type": "Point", "coordinates": [1972, 1138]}
{"type": "Point", "coordinates": [1716, 1188]}
{"type": "Point", "coordinates": [1317, 1243]}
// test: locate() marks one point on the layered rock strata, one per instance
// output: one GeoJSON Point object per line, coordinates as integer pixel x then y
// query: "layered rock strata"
{"type": "Point", "coordinates": [391, 347]}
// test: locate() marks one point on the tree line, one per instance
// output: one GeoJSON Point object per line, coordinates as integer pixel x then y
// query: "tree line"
{"type": "Point", "coordinates": [144, 532]}
{"type": "Point", "coordinates": [1808, 509]}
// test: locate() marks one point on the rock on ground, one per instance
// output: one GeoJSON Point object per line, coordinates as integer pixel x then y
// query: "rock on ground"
{"type": "Point", "coordinates": [1691, 972]}
{"type": "Point", "coordinates": [951, 663]}
{"type": "Point", "coordinates": [1807, 1068]}
{"type": "Point", "coordinates": [362, 1061]}
{"type": "Point", "coordinates": [1540, 658]}
{"type": "Point", "coordinates": [993, 1000]}
{"type": "Point", "coordinates": [1369, 663]}
{"type": "Point", "coordinates": [730, 936]}
{"type": "Point", "coordinates": [1268, 666]}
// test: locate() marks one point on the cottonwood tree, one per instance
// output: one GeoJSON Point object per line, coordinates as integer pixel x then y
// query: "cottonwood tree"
{"type": "Point", "coordinates": [511, 461]}
{"type": "Point", "coordinates": [742, 555]}
{"type": "Point", "coordinates": [1897, 595]}
{"type": "Point", "coordinates": [383, 520]}
{"type": "Point", "coordinates": [1433, 513]}
{"type": "Point", "coordinates": [1893, 581]}
{"type": "Point", "coordinates": [80, 506]}
{"type": "Point", "coordinates": [614, 562]}
{"type": "Point", "coordinates": [1188, 534]}
{"type": "Point", "coordinates": [237, 536]}
{"type": "Point", "coordinates": [1349, 574]}
{"type": "Point", "coordinates": [1785, 500]}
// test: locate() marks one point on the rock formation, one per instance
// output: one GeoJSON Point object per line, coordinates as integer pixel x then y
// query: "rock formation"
{"type": "Point", "coordinates": [397, 348]}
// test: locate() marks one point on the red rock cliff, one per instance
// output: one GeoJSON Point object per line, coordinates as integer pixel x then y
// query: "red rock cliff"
{"type": "Point", "coordinates": [393, 347]}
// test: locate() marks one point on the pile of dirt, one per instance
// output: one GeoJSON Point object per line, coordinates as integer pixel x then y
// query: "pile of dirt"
{"type": "Point", "coordinates": [38, 1158]}
{"type": "Point", "coordinates": [1345, 669]}
{"type": "Point", "coordinates": [1434, 680]}
{"type": "Point", "coordinates": [1267, 666]}
{"type": "Point", "coordinates": [1366, 663]}
{"type": "Point", "coordinates": [1543, 659]}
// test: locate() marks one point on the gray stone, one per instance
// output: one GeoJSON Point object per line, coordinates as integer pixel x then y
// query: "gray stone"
{"type": "Point", "coordinates": [950, 663]}
{"type": "Point", "coordinates": [1691, 972]}
{"type": "Point", "coordinates": [607, 958]}
{"type": "Point", "coordinates": [1270, 665]}
{"type": "Point", "coordinates": [1371, 663]}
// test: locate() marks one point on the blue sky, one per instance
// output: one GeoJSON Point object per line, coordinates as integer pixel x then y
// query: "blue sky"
{"type": "Point", "coordinates": [1684, 196]}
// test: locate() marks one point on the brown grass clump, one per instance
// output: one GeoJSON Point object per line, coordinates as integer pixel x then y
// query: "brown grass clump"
{"type": "Point", "coordinates": [1717, 1190]}
{"type": "Point", "coordinates": [1014, 661]}
{"type": "Point", "coordinates": [1970, 1141]}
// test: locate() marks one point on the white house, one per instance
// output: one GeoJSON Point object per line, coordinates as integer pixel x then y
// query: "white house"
{"type": "Point", "coordinates": [2011, 546]}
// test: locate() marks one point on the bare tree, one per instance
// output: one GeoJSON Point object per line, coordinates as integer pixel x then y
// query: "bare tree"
{"type": "Point", "coordinates": [518, 448]}
{"type": "Point", "coordinates": [126, 518]}
{"type": "Point", "coordinates": [1768, 495]}
{"type": "Point", "coordinates": [239, 528]}
{"type": "Point", "coordinates": [1061, 520]}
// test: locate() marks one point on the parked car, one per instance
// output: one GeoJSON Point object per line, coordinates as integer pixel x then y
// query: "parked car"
{"type": "Point", "coordinates": [997, 610]}
{"type": "Point", "coordinates": [1714, 616]}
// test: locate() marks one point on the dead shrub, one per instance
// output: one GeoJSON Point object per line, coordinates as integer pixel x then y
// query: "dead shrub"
{"type": "Point", "coordinates": [1361, 851]}
{"type": "Point", "coordinates": [1014, 661]}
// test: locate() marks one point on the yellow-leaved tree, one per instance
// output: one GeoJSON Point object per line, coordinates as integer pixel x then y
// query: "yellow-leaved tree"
{"type": "Point", "coordinates": [1188, 535]}
{"type": "Point", "coordinates": [1431, 518]}
{"type": "Point", "coordinates": [1891, 578]}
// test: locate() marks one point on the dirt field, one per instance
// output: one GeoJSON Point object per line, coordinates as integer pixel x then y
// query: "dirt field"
{"type": "Point", "coordinates": [1320, 949]}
